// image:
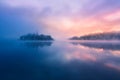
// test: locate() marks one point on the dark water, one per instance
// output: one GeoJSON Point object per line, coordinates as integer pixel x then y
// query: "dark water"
{"type": "Point", "coordinates": [59, 60]}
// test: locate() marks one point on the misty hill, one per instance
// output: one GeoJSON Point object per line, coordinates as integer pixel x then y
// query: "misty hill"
{"type": "Point", "coordinates": [99, 36]}
{"type": "Point", "coordinates": [36, 37]}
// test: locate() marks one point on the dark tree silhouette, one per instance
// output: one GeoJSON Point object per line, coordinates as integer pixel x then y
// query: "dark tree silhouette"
{"type": "Point", "coordinates": [36, 37]}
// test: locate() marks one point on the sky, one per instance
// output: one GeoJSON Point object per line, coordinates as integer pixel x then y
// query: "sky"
{"type": "Point", "coordinates": [60, 18]}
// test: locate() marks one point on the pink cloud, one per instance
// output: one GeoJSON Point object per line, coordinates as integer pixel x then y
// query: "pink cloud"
{"type": "Point", "coordinates": [66, 18]}
{"type": "Point", "coordinates": [113, 16]}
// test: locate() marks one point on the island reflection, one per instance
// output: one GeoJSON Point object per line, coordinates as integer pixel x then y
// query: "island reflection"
{"type": "Point", "coordinates": [100, 45]}
{"type": "Point", "coordinates": [37, 44]}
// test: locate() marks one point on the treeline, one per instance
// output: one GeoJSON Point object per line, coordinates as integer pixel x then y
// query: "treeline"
{"type": "Point", "coordinates": [99, 36]}
{"type": "Point", "coordinates": [36, 37]}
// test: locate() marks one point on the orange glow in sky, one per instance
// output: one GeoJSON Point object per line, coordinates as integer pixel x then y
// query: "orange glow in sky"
{"type": "Point", "coordinates": [72, 26]}
{"type": "Point", "coordinates": [66, 18]}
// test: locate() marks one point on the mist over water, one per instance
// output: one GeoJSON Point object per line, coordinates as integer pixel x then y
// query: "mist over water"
{"type": "Point", "coordinates": [85, 60]}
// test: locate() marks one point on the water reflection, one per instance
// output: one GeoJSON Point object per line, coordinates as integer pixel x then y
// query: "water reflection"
{"type": "Point", "coordinates": [37, 44]}
{"type": "Point", "coordinates": [100, 45]}
{"type": "Point", "coordinates": [105, 54]}
{"type": "Point", "coordinates": [58, 61]}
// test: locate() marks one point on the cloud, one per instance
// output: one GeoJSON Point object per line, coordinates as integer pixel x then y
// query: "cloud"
{"type": "Point", "coordinates": [113, 16]}
{"type": "Point", "coordinates": [55, 5]}
{"type": "Point", "coordinates": [64, 7]}
{"type": "Point", "coordinates": [69, 17]}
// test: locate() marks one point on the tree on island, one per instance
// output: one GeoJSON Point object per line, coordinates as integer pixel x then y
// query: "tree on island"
{"type": "Point", "coordinates": [36, 37]}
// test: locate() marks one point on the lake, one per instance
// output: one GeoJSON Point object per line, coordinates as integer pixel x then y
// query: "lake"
{"type": "Point", "coordinates": [59, 60]}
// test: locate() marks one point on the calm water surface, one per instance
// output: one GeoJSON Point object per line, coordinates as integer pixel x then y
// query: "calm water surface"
{"type": "Point", "coordinates": [59, 60]}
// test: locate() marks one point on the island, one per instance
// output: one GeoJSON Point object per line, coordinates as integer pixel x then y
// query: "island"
{"type": "Point", "coordinates": [99, 36]}
{"type": "Point", "coordinates": [36, 36]}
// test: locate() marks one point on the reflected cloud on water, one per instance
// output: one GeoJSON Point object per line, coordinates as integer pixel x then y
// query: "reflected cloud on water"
{"type": "Point", "coordinates": [60, 61]}
{"type": "Point", "coordinates": [100, 53]}
{"type": "Point", "coordinates": [96, 53]}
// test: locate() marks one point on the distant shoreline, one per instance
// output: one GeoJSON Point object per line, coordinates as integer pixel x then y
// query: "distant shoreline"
{"type": "Point", "coordinates": [99, 36]}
